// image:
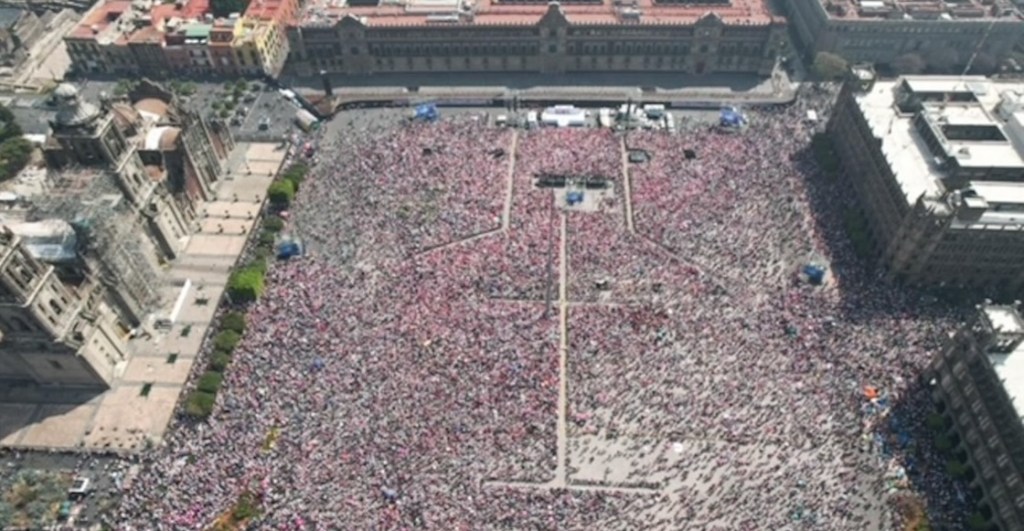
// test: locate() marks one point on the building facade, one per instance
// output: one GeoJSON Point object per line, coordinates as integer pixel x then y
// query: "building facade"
{"type": "Point", "coordinates": [936, 166]}
{"type": "Point", "coordinates": [880, 31]}
{"type": "Point", "coordinates": [162, 39]}
{"type": "Point", "coordinates": [977, 379]}
{"type": "Point", "coordinates": [530, 37]}
{"type": "Point", "coordinates": [53, 333]}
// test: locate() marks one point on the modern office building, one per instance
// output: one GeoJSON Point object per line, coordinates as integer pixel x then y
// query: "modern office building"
{"type": "Point", "coordinates": [937, 167]}
{"type": "Point", "coordinates": [978, 378]}
{"type": "Point", "coordinates": [378, 36]}
{"type": "Point", "coordinates": [879, 31]}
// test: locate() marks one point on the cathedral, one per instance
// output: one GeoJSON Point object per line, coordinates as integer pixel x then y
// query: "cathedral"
{"type": "Point", "coordinates": [81, 270]}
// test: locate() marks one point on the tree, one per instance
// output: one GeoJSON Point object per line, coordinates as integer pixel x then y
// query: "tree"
{"type": "Point", "coordinates": [223, 8]}
{"type": "Point", "coordinates": [246, 285]}
{"type": "Point", "coordinates": [909, 63]}
{"type": "Point", "coordinates": [124, 86]}
{"type": "Point", "coordinates": [257, 264]}
{"type": "Point", "coordinates": [829, 66]}
{"type": "Point", "coordinates": [984, 65]}
{"type": "Point", "coordinates": [210, 382]}
{"type": "Point", "coordinates": [9, 127]}
{"type": "Point", "coordinates": [200, 404]}
{"type": "Point", "coordinates": [942, 60]}
{"type": "Point", "coordinates": [977, 522]}
{"type": "Point", "coordinates": [296, 173]}
{"type": "Point", "coordinates": [226, 341]}
{"type": "Point", "coordinates": [233, 321]}
{"type": "Point", "coordinates": [267, 239]}
{"type": "Point", "coordinates": [273, 224]}
{"type": "Point", "coordinates": [281, 193]}
{"type": "Point", "coordinates": [219, 361]}
{"type": "Point", "coordinates": [956, 468]}
{"type": "Point", "coordinates": [935, 421]}
{"type": "Point", "coordinates": [15, 153]}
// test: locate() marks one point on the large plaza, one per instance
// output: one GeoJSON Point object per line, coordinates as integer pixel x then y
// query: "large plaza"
{"type": "Point", "coordinates": [460, 348]}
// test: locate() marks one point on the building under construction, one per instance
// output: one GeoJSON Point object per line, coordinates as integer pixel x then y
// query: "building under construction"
{"type": "Point", "coordinates": [107, 240]}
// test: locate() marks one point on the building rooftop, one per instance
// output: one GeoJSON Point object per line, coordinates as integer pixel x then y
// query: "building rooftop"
{"type": "Point", "coordinates": [122, 21]}
{"type": "Point", "coordinates": [469, 13]}
{"type": "Point", "coordinates": [100, 19]}
{"type": "Point", "coordinates": [974, 126]}
{"type": "Point", "coordinates": [936, 10]}
{"type": "Point", "coordinates": [264, 9]}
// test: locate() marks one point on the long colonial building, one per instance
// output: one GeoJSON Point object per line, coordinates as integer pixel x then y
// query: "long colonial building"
{"type": "Point", "coordinates": [881, 31]}
{"type": "Point", "coordinates": [937, 164]}
{"type": "Point", "coordinates": [365, 37]}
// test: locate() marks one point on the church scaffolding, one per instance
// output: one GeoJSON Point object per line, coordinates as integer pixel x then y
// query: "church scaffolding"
{"type": "Point", "coordinates": [111, 236]}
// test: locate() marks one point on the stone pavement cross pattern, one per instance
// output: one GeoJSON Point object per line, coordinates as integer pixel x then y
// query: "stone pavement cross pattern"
{"type": "Point", "coordinates": [674, 467]}
{"type": "Point", "coordinates": [120, 419]}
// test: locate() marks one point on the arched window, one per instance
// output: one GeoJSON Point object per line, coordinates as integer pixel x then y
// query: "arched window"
{"type": "Point", "coordinates": [56, 307]}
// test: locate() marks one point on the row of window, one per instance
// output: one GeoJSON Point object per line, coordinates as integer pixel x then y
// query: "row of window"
{"type": "Point", "coordinates": [492, 50]}
{"type": "Point", "coordinates": [904, 29]}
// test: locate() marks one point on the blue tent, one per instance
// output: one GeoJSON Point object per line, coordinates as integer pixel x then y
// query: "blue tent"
{"type": "Point", "coordinates": [815, 274]}
{"type": "Point", "coordinates": [288, 250]}
{"type": "Point", "coordinates": [732, 118]}
{"type": "Point", "coordinates": [573, 198]}
{"type": "Point", "coordinates": [426, 112]}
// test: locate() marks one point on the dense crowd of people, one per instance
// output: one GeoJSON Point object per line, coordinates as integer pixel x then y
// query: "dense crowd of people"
{"type": "Point", "coordinates": [405, 373]}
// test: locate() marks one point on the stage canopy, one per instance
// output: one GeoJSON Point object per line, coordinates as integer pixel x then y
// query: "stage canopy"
{"type": "Point", "coordinates": [426, 112]}
{"type": "Point", "coordinates": [731, 117]}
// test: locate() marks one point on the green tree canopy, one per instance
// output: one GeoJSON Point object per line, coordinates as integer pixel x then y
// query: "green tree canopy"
{"type": "Point", "coordinates": [200, 404]}
{"type": "Point", "coordinates": [9, 127]}
{"type": "Point", "coordinates": [943, 60]}
{"type": "Point", "coordinates": [210, 382]}
{"type": "Point", "coordinates": [830, 66]}
{"type": "Point", "coordinates": [226, 341]}
{"type": "Point", "coordinates": [273, 224]}
{"type": "Point", "coordinates": [909, 63]}
{"type": "Point", "coordinates": [234, 321]}
{"type": "Point", "coordinates": [219, 361]}
{"type": "Point", "coordinates": [246, 285]}
{"type": "Point", "coordinates": [977, 521]}
{"type": "Point", "coordinates": [281, 193]}
{"type": "Point", "coordinates": [15, 153]}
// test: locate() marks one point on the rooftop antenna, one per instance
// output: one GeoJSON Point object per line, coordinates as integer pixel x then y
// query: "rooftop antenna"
{"type": "Point", "coordinates": [984, 39]}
